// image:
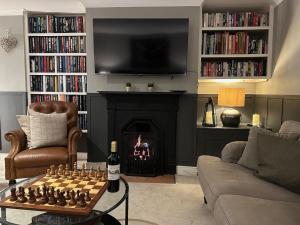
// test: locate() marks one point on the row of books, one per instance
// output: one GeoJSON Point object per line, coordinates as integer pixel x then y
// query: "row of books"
{"type": "Point", "coordinates": [234, 68]}
{"type": "Point", "coordinates": [36, 83]}
{"type": "Point", "coordinates": [233, 43]}
{"type": "Point", "coordinates": [76, 83]}
{"type": "Point", "coordinates": [71, 64]}
{"type": "Point", "coordinates": [56, 24]}
{"type": "Point", "coordinates": [60, 44]}
{"type": "Point", "coordinates": [235, 19]}
{"type": "Point", "coordinates": [42, 64]}
{"type": "Point", "coordinates": [79, 100]}
{"type": "Point", "coordinates": [82, 121]}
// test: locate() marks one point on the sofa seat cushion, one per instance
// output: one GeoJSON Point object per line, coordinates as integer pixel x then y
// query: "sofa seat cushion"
{"type": "Point", "coordinates": [218, 178]}
{"type": "Point", "coordinates": [41, 157]}
{"type": "Point", "coordinates": [244, 210]}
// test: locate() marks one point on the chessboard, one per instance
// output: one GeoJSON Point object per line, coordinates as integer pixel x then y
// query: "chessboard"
{"type": "Point", "coordinates": [60, 191]}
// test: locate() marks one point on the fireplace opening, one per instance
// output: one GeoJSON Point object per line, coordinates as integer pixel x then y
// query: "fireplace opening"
{"type": "Point", "coordinates": [141, 145]}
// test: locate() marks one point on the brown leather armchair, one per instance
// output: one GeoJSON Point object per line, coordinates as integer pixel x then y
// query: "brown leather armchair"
{"type": "Point", "coordinates": [22, 162]}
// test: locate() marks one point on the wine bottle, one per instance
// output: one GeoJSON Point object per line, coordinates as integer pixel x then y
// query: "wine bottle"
{"type": "Point", "coordinates": [113, 169]}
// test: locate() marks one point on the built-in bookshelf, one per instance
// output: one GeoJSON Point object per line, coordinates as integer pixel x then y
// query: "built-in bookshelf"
{"type": "Point", "coordinates": [56, 60]}
{"type": "Point", "coordinates": [236, 43]}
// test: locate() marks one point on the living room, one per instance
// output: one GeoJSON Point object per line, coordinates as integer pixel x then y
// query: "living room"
{"type": "Point", "coordinates": [156, 112]}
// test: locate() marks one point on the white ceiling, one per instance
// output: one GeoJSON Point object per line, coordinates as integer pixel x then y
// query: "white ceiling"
{"type": "Point", "coordinates": [12, 7]}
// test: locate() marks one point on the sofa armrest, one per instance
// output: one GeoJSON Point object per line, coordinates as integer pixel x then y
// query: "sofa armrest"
{"type": "Point", "coordinates": [17, 138]}
{"type": "Point", "coordinates": [73, 137]}
{"type": "Point", "coordinates": [233, 151]}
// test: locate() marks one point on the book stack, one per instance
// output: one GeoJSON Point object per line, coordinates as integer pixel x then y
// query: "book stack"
{"type": "Point", "coordinates": [235, 19]}
{"type": "Point", "coordinates": [82, 121]}
{"type": "Point", "coordinates": [71, 64]}
{"type": "Point", "coordinates": [36, 83]}
{"type": "Point", "coordinates": [54, 83]}
{"type": "Point", "coordinates": [234, 68]}
{"type": "Point", "coordinates": [233, 43]}
{"type": "Point", "coordinates": [56, 24]}
{"type": "Point", "coordinates": [80, 100]}
{"type": "Point", "coordinates": [70, 44]}
{"type": "Point", "coordinates": [76, 83]}
{"type": "Point", "coordinates": [42, 64]}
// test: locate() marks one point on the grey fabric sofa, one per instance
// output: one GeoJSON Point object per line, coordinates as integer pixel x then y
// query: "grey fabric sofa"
{"type": "Point", "coordinates": [237, 197]}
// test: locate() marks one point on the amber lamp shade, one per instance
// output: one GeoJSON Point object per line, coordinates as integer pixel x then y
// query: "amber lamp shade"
{"type": "Point", "coordinates": [231, 97]}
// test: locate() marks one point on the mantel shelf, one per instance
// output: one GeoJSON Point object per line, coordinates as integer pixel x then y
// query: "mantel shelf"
{"type": "Point", "coordinates": [141, 93]}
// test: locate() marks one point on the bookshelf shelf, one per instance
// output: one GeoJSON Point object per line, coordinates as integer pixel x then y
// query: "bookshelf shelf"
{"type": "Point", "coordinates": [57, 74]}
{"type": "Point", "coordinates": [54, 34]}
{"type": "Point", "coordinates": [235, 30]}
{"type": "Point", "coordinates": [262, 28]}
{"type": "Point", "coordinates": [235, 56]}
{"type": "Point", "coordinates": [57, 93]}
{"type": "Point", "coordinates": [64, 50]}
{"type": "Point", "coordinates": [57, 54]}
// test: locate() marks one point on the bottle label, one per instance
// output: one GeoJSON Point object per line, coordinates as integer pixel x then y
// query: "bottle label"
{"type": "Point", "coordinates": [113, 172]}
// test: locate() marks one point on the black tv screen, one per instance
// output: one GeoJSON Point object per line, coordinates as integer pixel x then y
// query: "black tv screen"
{"type": "Point", "coordinates": [140, 46]}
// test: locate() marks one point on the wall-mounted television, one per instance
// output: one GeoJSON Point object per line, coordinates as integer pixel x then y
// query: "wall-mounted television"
{"type": "Point", "coordinates": [140, 46]}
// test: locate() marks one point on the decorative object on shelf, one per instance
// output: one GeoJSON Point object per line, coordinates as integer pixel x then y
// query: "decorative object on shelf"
{"type": "Point", "coordinates": [150, 86]}
{"type": "Point", "coordinates": [231, 97]}
{"type": "Point", "coordinates": [128, 86]}
{"type": "Point", "coordinates": [8, 42]}
{"type": "Point", "coordinates": [209, 118]}
{"type": "Point", "coordinates": [256, 120]}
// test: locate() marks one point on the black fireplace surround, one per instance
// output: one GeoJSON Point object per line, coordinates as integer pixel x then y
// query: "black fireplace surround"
{"type": "Point", "coordinates": [144, 125]}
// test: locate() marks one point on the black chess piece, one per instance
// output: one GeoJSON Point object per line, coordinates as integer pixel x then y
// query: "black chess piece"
{"type": "Point", "coordinates": [19, 193]}
{"type": "Point", "coordinates": [81, 202]}
{"type": "Point", "coordinates": [77, 196]}
{"type": "Point", "coordinates": [13, 196]}
{"type": "Point", "coordinates": [61, 201]}
{"type": "Point", "coordinates": [87, 196]}
{"type": "Point", "coordinates": [72, 201]}
{"type": "Point", "coordinates": [38, 193]}
{"type": "Point", "coordinates": [68, 197]}
{"type": "Point", "coordinates": [22, 198]}
{"type": "Point", "coordinates": [44, 199]}
{"type": "Point", "coordinates": [52, 200]}
{"type": "Point", "coordinates": [32, 198]}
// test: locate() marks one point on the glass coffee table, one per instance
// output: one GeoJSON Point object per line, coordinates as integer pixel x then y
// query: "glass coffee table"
{"type": "Point", "coordinates": [99, 215]}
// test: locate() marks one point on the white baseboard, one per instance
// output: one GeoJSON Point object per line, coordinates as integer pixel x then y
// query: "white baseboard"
{"type": "Point", "coordinates": [186, 170]}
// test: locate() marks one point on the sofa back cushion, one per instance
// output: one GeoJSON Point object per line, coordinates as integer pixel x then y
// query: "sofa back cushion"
{"type": "Point", "coordinates": [279, 161]}
{"type": "Point", "coordinates": [249, 157]}
{"type": "Point", "coordinates": [290, 126]}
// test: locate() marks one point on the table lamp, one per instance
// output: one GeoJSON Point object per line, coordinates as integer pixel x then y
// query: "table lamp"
{"type": "Point", "coordinates": [231, 97]}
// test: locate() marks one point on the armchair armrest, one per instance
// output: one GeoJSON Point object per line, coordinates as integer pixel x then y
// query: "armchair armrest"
{"type": "Point", "coordinates": [17, 138]}
{"type": "Point", "coordinates": [73, 137]}
{"type": "Point", "coordinates": [233, 151]}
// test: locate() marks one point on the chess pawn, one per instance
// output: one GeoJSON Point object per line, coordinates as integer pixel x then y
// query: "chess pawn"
{"type": "Point", "coordinates": [38, 193]}
{"type": "Point", "coordinates": [87, 196]}
{"type": "Point", "coordinates": [77, 196]}
{"type": "Point", "coordinates": [75, 171]}
{"type": "Point", "coordinates": [48, 173]}
{"type": "Point", "coordinates": [56, 175]}
{"type": "Point", "coordinates": [67, 170]}
{"type": "Point", "coordinates": [19, 193]}
{"type": "Point", "coordinates": [68, 197]}
{"type": "Point", "coordinates": [72, 201]}
{"type": "Point", "coordinates": [28, 192]}
{"type": "Point", "coordinates": [81, 202]}
{"type": "Point", "coordinates": [32, 198]}
{"type": "Point", "coordinates": [52, 170]}
{"type": "Point", "coordinates": [13, 196]}
{"type": "Point", "coordinates": [60, 170]}
{"type": "Point", "coordinates": [22, 198]}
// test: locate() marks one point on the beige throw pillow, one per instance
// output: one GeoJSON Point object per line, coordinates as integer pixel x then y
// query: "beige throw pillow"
{"type": "Point", "coordinates": [279, 161]}
{"type": "Point", "coordinates": [48, 130]}
{"type": "Point", "coordinates": [24, 122]}
{"type": "Point", "coordinates": [249, 157]}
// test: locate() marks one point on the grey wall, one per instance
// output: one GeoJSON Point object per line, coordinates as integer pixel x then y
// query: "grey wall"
{"type": "Point", "coordinates": [162, 83]}
{"type": "Point", "coordinates": [12, 64]}
{"type": "Point", "coordinates": [11, 104]}
{"type": "Point", "coordinates": [285, 78]}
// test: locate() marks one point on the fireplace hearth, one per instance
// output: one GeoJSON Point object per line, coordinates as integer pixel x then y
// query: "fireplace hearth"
{"type": "Point", "coordinates": [144, 124]}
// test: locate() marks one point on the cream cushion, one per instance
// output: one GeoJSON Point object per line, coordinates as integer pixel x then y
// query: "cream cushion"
{"type": "Point", "coordinates": [24, 122]}
{"type": "Point", "coordinates": [48, 130]}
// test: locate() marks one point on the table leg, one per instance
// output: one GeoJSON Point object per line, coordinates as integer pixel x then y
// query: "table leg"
{"type": "Point", "coordinates": [3, 213]}
{"type": "Point", "coordinates": [126, 209]}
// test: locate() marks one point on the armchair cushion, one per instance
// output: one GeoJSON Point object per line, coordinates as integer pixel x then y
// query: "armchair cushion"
{"type": "Point", "coordinates": [41, 157]}
{"type": "Point", "coordinates": [48, 130]}
{"type": "Point", "coordinates": [233, 151]}
{"type": "Point", "coordinates": [24, 122]}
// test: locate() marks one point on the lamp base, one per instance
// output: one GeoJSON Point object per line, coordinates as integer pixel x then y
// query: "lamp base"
{"type": "Point", "coordinates": [231, 118]}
